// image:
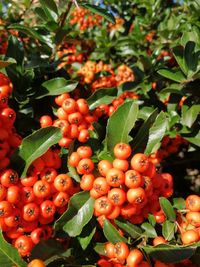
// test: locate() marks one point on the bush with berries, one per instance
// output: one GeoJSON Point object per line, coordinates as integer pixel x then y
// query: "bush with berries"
{"type": "Point", "coordinates": [99, 133]}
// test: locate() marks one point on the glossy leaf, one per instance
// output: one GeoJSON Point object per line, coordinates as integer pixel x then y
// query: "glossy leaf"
{"type": "Point", "coordinates": [149, 230]}
{"type": "Point", "coordinates": [35, 145]}
{"type": "Point", "coordinates": [46, 249]}
{"type": "Point", "coordinates": [73, 173]}
{"type": "Point", "coordinates": [101, 96]}
{"type": "Point", "coordinates": [179, 203]}
{"type": "Point", "coordinates": [56, 86]}
{"type": "Point", "coordinates": [168, 230]}
{"type": "Point", "coordinates": [133, 230]}
{"type": "Point", "coordinates": [86, 236]}
{"type": "Point", "coordinates": [28, 31]}
{"type": "Point", "coordinates": [9, 255]}
{"type": "Point", "coordinates": [156, 133]}
{"type": "Point", "coordinates": [100, 249]}
{"type": "Point", "coordinates": [169, 253]}
{"type": "Point", "coordinates": [111, 233]}
{"type": "Point", "coordinates": [15, 50]}
{"type": "Point", "coordinates": [100, 11]}
{"type": "Point", "coordinates": [191, 58]}
{"type": "Point", "coordinates": [176, 76]}
{"type": "Point", "coordinates": [78, 214]}
{"type": "Point", "coordinates": [50, 4]}
{"type": "Point", "coordinates": [141, 138]}
{"type": "Point", "coordinates": [179, 56]}
{"type": "Point", "coordinates": [120, 124]}
{"type": "Point", "coordinates": [168, 209]}
{"type": "Point", "coordinates": [194, 139]}
{"type": "Point", "coordinates": [189, 115]}
{"type": "Point", "coordinates": [152, 219]}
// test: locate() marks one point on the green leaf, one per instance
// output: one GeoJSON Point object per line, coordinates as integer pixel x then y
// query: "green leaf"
{"type": "Point", "coordinates": [15, 50]}
{"type": "Point", "coordinates": [111, 233]}
{"type": "Point", "coordinates": [156, 133]}
{"type": "Point", "coordinates": [56, 86]}
{"type": "Point", "coordinates": [46, 249]}
{"type": "Point", "coordinates": [49, 4]}
{"type": "Point", "coordinates": [168, 230]}
{"type": "Point", "coordinates": [102, 96]}
{"type": "Point", "coordinates": [78, 214]}
{"type": "Point", "coordinates": [133, 230]}
{"type": "Point", "coordinates": [167, 209]}
{"type": "Point", "coordinates": [7, 62]}
{"type": "Point", "coordinates": [100, 11]}
{"type": "Point", "coordinates": [86, 236]}
{"type": "Point", "coordinates": [176, 76]}
{"type": "Point", "coordinates": [179, 56]}
{"type": "Point", "coordinates": [191, 58]}
{"type": "Point", "coordinates": [189, 115]}
{"type": "Point", "coordinates": [40, 12]}
{"type": "Point", "coordinates": [73, 173]}
{"type": "Point", "coordinates": [140, 140]}
{"type": "Point", "coordinates": [194, 139]}
{"type": "Point", "coordinates": [9, 255]}
{"type": "Point", "coordinates": [169, 253]}
{"type": "Point", "coordinates": [152, 219]}
{"type": "Point", "coordinates": [35, 145]}
{"type": "Point", "coordinates": [120, 124]}
{"type": "Point", "coordinates": [149, 230]}
{"type": "Point", "coordinates": [28, 31]}
{"type": "Point", "coordinates": [100, 249]}
{"type": "Point", "coordinates": [179, 203]}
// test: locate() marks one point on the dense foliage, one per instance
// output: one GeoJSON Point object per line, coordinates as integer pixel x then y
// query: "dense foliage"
{"type": "Point", "coordinates": [99, 133]}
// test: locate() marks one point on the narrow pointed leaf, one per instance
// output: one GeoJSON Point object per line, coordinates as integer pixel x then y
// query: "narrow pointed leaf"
{"type": "Point", "coordinates": [133, 230]}
{"type": "Point", "coordinates": [35, 145]}
{"type": "Point", "coordinates": [111, 233]}
{"type": "Point", "coordinates": [120, 124]}
{"type": "Point", "coordinates": [156, 133]}
{"type": "Point", "coordinates": [78, 214]}
{"type": "Point", "coordinates": [100, 11]}
{"type": "Point", "coordinates": [140, 140]}
{"type": "Point", "coordinates": [9, 255]}
{"type": "Point", "coordinates": [167, 208]}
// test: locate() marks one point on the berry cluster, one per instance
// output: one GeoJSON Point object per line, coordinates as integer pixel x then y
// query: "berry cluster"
{"type": "Point", "coordinates": [68, 54]}
{"type": "Point", "coordinates": [129, 186]}
{"type": "Point", "coordinates": [107, 110]}
{"type": "Point", "coordinates": [29, 205]}
{"type": "Point", "coordinates": [118, 24]}
{"type": "Point", "coordinates": [9, 139]}
{"type": "Point", "coordinates": [83, 19]}
{"type": "Point", "coordinates": [189, 222]}
{"type": "Point", "coordinates": [168, 147]}
{"type": "Point", "coordinates": [74, 119]}
{"type": "Point", "coordinates": [90, 69]}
